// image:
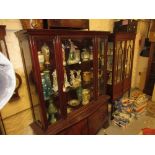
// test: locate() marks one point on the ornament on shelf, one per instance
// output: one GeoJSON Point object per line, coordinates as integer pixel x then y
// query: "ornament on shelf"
{"type": "Point", "coordinates": [72, 58]}
{"type": "Point", "coordinates": [75, 78]}
{"type": "Point", "coordinates": [52, 110]}
{"type": "Point", "coordinates": [66, 83]}
{"type": "Point", "coordinates": [85, 96]}
{"type": "Point", "coordinates": [55, 82]}
{"type": "Point", "coordinates": [41, 60]}
{"type": "Point", "coordinates": [45, 50]}
{"type": "Point", "coordinates": [85, 55]}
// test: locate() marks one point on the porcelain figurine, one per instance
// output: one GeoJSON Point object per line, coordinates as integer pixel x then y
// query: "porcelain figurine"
{"type": "Point", "coordinates": [72, 58]}
{"type": "Point", "coordinates": [66, 83]}
{"type": "Point", "coordinates": [75, 81]}
{"type": "Point", "coordinates": [51, 111]}
{"type": "Point", "coordinates": [41, 60]}
{"type": "Point", "coordinates": [45, 50]}
{"type": "Point", "coordinates": [87, 76]}
{"type": "Point", "coordinates": [85, 96]}
{"type": "Point", "coordinates": [55, 82]}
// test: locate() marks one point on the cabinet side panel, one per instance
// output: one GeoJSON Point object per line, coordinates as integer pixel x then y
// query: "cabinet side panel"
{"type": "Point", "coordinates": [33, 93]}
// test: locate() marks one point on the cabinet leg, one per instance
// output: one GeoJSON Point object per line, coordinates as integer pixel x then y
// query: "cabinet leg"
{"type": "Point", "coordinates": [106, 124]}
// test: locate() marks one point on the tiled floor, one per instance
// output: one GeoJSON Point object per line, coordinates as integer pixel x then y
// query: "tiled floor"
{"type": "Point", "coordinates": [134, 128]}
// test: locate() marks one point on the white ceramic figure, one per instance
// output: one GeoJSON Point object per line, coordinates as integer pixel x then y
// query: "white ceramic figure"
{"type": "Point", "coordinates": [75, 80]}
{"type": "Point", "coordinates": [72, 58]}
{"type": "Point", "coordinates": [66, 83]}
{"type": "Point", "coordinates": [46, 51]}
{"type": "Point", "coordinates": [55, 83]}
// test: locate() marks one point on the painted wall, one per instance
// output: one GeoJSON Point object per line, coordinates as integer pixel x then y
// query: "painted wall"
{"type": "Point", "coordinates": [101, 24]}
{"type": "Point", "coordinates": [140, 63]}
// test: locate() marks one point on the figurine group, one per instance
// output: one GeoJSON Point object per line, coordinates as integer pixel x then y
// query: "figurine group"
{"type": "Point", "coordinates": [74, 54]}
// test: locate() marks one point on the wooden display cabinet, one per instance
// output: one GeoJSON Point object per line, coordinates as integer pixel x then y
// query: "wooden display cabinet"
{"type": "Point", "coordinates": [150, 77]}
{"type": "Point", "coordinates": [119, 63]}
{"type": "Point", "coordinates": [66, 76]}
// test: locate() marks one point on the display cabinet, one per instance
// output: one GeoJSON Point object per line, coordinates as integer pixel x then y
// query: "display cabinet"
{"type": "Point", "coordinates": [119, 63]}
{"type": "Point", "coordinates": [66, 76]}
{"type": "Point", "coordinates": [150, 77]}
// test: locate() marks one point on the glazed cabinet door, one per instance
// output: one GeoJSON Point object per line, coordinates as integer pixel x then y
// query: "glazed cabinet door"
{"type": "Point", "coordinates": [102, 45]}
{"type": "Point", "coordinates": [78, 71]}
{"type": "Point", "coordinates": [118, 68]}
{"type": "Point", "coordinates": [128, 61]}
{"type": "Point", "coordinates": [110, 58]}
{"type": "Point", "coordinates": [44, 76]}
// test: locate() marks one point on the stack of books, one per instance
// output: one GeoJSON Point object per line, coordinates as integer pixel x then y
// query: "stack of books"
{"type": "Point", "coordinates": [124, 113]}
{"type": "Point", "coordinates": [128, 109]}
{"type": "Point", "coordinates": [140, 105]}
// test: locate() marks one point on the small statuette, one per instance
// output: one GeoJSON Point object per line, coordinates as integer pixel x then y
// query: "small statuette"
{"type": "Point", "coordinates": [55, 83]}
{"type": "Point", "coordinates": [85, 55]}
{"type": "Point", "coordinates": [45, 50]}
{"type": "Point", "coordinates": [79, 93]}
{"type": "Point", "coordinates": [85, 96]}
{"type": "Point", "coordinates": [72, 58]}
{"type": "Point", "coordinates": [66, 83]}
{"type": "Point", "coordinates": [87, 76]}
{"type": "Point", "coordinates": [75, 78]}
{"type": "Point", "coordinates": [41, 60]}
{"type": "Point", "coordinates": [52, 110]}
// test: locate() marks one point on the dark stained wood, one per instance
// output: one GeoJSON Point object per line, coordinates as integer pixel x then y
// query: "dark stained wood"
{"type": "Point", "coordinates": [81, 128]}
{"type": "Point", "coordinates": [61, 32]}
{"type": "Point", "coordinates": [116, 90]}
{"type": "Point", "coordinates": [75, 122]}
{"type": "Point", "coordinates": [68, 23]}
{"type": "Point", "coordinates": [79, 115]}
{"type": "Point", "coordinates": [97, 119]}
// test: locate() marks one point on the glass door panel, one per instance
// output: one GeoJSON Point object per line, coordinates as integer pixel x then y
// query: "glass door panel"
{"type": "Point", "coordinates": [101, 66]}
{"type": "Point", "coordinates": [128, 58]}
{"type": "Point", "coordinates": [119, 61]}
{"type": "Point", "coordinates": [110, 62]}
{"type": "Point", "coordinates": [48, 74]}
{"type": "Point", "coordinates": [78, 84]}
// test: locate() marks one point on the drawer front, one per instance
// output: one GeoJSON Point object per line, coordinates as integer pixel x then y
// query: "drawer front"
{"type": "Point", "coordinates": [80, 128]}
{"type": "Point", "coordinates": [97, 119]}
